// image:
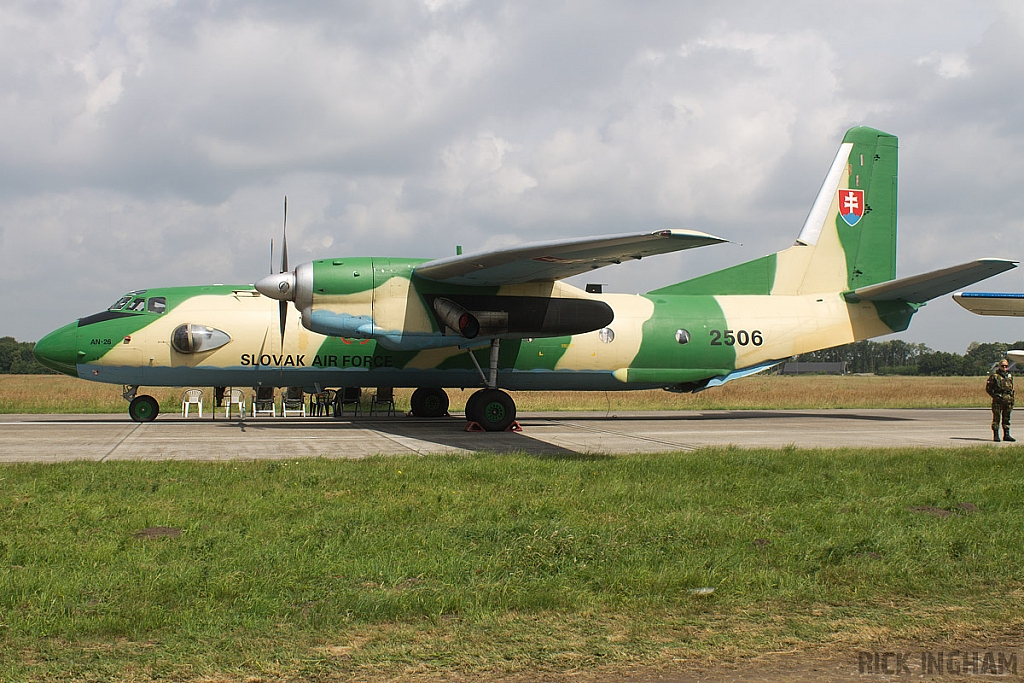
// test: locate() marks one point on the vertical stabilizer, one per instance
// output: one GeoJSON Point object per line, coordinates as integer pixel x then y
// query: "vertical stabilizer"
{"type": "Point", "coordinates": [847, 241]}
{"type": "Point", "coordinates": [849, 237]}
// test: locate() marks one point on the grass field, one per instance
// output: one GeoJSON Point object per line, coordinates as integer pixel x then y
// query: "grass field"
{"type": "Point", "coordinates": [447, 567]}
{"type": "Point", "coordinates": [60, 394]}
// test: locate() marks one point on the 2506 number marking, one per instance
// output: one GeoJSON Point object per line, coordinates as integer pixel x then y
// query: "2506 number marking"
{"type": "Point", "coordinates": [733, 337]}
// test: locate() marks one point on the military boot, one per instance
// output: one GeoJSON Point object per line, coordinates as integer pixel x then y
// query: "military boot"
{"type": "Point", "coordinates": [995, 434]}
{"type": "Point", "coordinates": [1007, 437]}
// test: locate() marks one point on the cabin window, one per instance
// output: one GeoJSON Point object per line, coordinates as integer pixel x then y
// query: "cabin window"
{"type": "Point", "coordinates": [189, 338]}
{"type": "Point", "coordinates": [606, 335]}
{"type": "Point", "coordinates": [157, 304]}
{"type": "Point", "coordinates": [682, 336]}
{"type": "Point", "coordinates": [119, 304]}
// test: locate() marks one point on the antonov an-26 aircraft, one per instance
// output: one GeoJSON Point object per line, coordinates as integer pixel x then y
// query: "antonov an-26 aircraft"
{"type": "Point", "coordinates": [506, 320]}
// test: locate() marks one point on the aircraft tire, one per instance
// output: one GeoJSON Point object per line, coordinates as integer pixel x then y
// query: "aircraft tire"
{"type": "Point", "coordinates": [143, 409]}
{"type": "Point", "coordinates": [473, 407]}
{"type": "Point", "coordinates": [429, 402]}
{"type": "Point", "coordinates": [495, 409]}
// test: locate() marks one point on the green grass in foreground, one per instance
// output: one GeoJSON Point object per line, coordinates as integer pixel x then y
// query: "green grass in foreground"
{"type": "Point", "coordinates": [423, 567]}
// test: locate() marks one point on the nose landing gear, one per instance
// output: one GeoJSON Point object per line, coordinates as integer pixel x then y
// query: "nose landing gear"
{"type": "Point", "coordinates": [140, 408]}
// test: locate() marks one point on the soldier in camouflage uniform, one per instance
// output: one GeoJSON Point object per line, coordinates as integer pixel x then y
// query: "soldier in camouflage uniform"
{"type": "Point", "coordinates": [1000, 388]}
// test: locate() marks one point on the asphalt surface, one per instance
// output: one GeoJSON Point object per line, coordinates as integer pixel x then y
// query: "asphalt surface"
{"type": "Point", "coordinates": [54, 438]}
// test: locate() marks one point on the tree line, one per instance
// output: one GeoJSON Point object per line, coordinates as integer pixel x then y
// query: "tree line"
{"type": "Point", "coordinates": [16, 358]}
{"type": "Point", "coordinates": [898, 357]}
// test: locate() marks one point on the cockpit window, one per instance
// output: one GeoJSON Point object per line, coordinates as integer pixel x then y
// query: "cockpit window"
{"type": "Point", "coordinates": [137, 305]}
{"type": "Point", "coordinates": [119, 304]}
{"type": "Point", "coordinates": [157, 304]}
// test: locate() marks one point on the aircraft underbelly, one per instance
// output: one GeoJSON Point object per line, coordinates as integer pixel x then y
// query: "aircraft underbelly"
{"type": "Point", "coordinates": [515, 380]}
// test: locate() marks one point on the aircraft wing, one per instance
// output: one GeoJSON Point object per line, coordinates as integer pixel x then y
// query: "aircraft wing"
{"type": "Point", "coordinates": [918, 289]}
{"type": "Point", "coordinates": [545, 261]}
{"type": "Point", "coordinates": [991, 303]}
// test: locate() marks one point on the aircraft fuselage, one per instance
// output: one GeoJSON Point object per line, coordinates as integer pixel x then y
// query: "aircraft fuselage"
{"type": "Point", "coordinates": [654, 340]}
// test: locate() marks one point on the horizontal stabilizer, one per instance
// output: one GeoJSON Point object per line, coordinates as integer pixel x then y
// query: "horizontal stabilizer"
{"type": "Point", "coordinates": [927, 286]}
{"type": "Point", "coordinates": [991, 303]}
{"type": "Point", "coordinates": [547, 261]}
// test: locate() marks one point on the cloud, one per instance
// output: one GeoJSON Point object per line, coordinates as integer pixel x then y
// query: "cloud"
{"type": "Point", "coordinates": [947, 65]}
{"type": "Point", "coordinates": [151, 143]}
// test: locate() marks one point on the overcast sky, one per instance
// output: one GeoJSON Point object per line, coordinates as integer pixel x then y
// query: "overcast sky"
{"type": "Point", "coordinates": [151, 143]}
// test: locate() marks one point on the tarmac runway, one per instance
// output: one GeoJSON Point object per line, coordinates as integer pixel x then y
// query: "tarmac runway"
{"type": "Point", "coordinates": [56, 438]}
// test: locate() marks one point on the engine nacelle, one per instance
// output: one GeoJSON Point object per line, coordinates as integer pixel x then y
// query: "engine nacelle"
{"type": "Point", "coordinates": [381, 299]}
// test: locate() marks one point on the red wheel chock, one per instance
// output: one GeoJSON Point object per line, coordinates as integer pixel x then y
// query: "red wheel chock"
{"type": "Point", "coordinates": [475, 427]}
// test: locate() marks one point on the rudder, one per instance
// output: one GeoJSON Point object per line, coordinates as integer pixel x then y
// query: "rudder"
{"type": "Point", "coordinates": [870, 244]}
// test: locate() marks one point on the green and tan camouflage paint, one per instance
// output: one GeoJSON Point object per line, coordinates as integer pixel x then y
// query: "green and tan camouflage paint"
{"type": "Point", "coordinates": [754, 313]}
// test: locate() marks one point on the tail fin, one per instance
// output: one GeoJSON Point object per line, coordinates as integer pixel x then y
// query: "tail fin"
{"type": "Point", "coordinates": [858, 201]}
{"type": "Point", "coordinates": [848, 240]}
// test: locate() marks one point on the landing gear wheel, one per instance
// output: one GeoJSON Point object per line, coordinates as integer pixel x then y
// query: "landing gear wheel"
{"type": "Point", "coordinates": [143, 409]}
{"type": "Point", "coordinates": [473, 407]}
{"type": "Point", "coordinates": [429, 402]}
{"type": "Point", "coordinates": [495, 410]}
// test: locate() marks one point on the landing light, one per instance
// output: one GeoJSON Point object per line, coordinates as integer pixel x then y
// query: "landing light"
{"type": "Point", "coordinates": [191, 338]}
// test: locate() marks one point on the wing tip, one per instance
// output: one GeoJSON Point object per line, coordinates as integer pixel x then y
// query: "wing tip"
{"type": "Point", "coordinates": [689, 234]}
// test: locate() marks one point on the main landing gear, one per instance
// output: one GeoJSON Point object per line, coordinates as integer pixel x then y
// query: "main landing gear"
{"type": "Point", "coordinates": [140, 408]}
{"type": "Point", "coordinates": [429, 402]}
{"type": "Point", "coordinates": [489, 409]}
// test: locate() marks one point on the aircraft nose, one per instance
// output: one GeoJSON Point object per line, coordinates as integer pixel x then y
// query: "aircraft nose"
{"type": "Point", "coordinates": [59, 350]}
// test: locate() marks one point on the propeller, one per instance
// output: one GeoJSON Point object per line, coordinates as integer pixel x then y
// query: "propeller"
{"type": "Point", "coordinates": [280, 286]}
{"type": "Point", "coordinates": [282, 307]}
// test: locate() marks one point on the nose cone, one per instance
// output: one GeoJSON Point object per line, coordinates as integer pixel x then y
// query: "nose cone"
{"type": "Point", "coordinates": [59, 350]}
{"type": "Point", "coordinates": [280, 286]}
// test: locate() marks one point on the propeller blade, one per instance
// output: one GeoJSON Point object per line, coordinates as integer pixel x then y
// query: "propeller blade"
{"type": "Point", "coordinates": [282, 310]}
{"type": "Point", "coordinates": [271, 255]}
{"type": "Point", "coordinates": [284, 238]}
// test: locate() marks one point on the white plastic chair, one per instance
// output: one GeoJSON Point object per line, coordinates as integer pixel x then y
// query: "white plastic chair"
{"type": "Point", "coordinates": [234, 397]}
{"type": "Point", "coordinates": [192, 397]}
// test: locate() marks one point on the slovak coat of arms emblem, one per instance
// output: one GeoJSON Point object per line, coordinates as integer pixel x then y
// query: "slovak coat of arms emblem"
{"type": "Point", "coordinates": [851, 206]}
